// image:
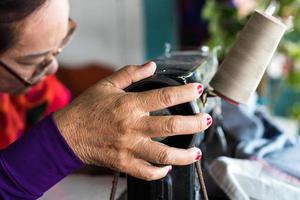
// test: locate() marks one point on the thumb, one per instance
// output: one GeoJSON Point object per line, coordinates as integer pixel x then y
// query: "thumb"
{"type": "Point", "coordinates": [131, 74]}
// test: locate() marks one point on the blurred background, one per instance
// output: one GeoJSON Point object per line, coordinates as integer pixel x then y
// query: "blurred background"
{"type": "Point", "coordinates": [113, 33]}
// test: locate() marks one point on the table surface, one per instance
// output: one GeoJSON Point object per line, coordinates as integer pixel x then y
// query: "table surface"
{"type": "Point", "coordinates": [87, 187]}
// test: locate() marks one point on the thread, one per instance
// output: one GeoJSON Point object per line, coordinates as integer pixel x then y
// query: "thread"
{"type": "Point", "coordinates": [246, 62]}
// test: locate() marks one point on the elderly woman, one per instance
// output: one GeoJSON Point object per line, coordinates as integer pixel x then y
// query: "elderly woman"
{"type": "Point", "coordinates": [104, 126]}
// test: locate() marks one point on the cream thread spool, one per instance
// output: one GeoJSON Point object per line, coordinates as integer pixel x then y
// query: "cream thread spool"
{"type": "Point", "coordinates": [245, 64]}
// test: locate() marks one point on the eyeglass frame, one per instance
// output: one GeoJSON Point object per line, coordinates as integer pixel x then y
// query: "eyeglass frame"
{"type": "Point", "coordinates": [43, 66]}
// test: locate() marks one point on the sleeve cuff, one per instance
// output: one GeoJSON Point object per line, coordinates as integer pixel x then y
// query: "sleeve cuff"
{"type": "Point", "coordinates": [40, 158]}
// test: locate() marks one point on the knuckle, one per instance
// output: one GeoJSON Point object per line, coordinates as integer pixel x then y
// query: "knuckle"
{"type": "Point", "coordinates": [122, 161]}
{"type": "Point", "coordinates": [171, 125]}
{"type": "Point", "coordinates": [122, 164]}
{"type": "Point", "coordinates": [165, 157]}
{"type": "Point", "coordinates": [167, 97]}
{"type": "Point", "coordinates": [129, 69]}
{"type": "Point", "coordinates": [123, 126]}
{"type": "Point", "coordinates": [123, 106]}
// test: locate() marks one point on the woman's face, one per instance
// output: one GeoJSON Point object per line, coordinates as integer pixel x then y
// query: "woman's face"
{"type": "Point", "coordinates": [41, 34]}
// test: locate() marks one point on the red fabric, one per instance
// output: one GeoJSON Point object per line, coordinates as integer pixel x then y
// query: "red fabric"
{"type": "Point", "coordinates": [14, 109]}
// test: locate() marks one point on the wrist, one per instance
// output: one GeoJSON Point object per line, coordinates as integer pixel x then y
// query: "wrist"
{"type": "Point", "coordinates": [66, 123]}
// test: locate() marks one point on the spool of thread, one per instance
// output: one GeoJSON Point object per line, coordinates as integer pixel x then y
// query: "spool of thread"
{"type": "Point", "coordinates": [245, 64]}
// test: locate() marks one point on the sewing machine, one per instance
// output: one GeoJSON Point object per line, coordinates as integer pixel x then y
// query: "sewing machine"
{"type": "Point", "coordinates": [235, 81]}
{"type": "Point", "coordinates": [177, 68]}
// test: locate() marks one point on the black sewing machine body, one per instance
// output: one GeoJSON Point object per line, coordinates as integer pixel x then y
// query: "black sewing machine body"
{"type": "Point", "coordinates": [175, 69]}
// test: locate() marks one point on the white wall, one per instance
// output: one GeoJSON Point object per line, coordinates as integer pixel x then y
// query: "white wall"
{"type": "Point", "coordinates": [109, 31]}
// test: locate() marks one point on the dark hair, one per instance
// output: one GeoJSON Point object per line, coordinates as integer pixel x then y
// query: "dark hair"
{"type": "Point", "coordinates": [12, 12]}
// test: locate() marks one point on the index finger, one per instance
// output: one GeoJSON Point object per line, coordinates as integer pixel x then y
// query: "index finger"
{"type": "Point", "coordinates": [131, 74]}
{"type": "Point", "coordinates": [158, 99]}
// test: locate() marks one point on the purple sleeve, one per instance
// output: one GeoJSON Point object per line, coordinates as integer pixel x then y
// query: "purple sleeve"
{"type": "Point", "coordinates": [36, 162]}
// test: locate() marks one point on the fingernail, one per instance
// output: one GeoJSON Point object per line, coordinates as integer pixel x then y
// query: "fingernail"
{"type": "Point", "coordinates": [209, 120]}
{"type": "Point", "coordinates": [200, 89]}
{"type": "Point", "coordinates": [170, 170]}
{"type": "Point", "coordinates": [147, 64]}
{"type": "Point", "coordinates": [199, 155]}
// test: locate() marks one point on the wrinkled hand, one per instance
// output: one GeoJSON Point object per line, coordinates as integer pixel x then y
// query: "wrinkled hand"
{"type": "Point", "coordinates": [109, 127]}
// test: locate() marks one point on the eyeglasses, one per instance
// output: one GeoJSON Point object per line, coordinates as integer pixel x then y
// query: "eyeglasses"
{"type": "Point", "coordinates": [42, 68]}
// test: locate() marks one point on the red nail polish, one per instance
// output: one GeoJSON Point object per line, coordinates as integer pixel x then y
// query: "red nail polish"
{"type": "Point", "coordinates": [200, 89]}
{"type": "Point", "coordinates": [199, 156]}
{"type": "Point", "coordinates": [209, 121]}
